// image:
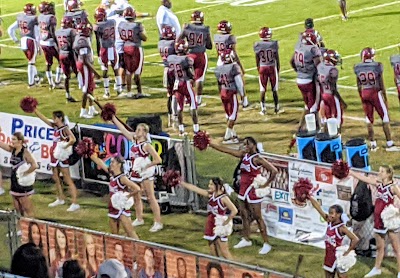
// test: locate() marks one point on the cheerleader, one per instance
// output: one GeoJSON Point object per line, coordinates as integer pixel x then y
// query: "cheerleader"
{"type": "Point", "coordinates": [250, 205]}
{"type": "Point", "coordinates": [335, 233]}
{"type": "Point", "coordinates": [387, 189]}
{"type": "Point", "coordinates": [62, 134]}
{"type": "Point", "coordinates": [19, 156]}
{"type": "Point", "coordinates": [218, 204]}
{"type": "Point", "coordinates": [142, 148]}
{"type": "Point", "coordinates": [119, 182]}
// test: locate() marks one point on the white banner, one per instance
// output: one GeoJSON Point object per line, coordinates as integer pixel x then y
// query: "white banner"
{"type": "Point", "coordinates": [38, 137]}
{"type": "Point", "coordinates": [285, 220]}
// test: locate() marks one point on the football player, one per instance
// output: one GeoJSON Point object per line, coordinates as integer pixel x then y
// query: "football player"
{"type": "Point", "coordinates": [105, 38]}
{"type": "Point", "coordinates": [304, 61]}
{"type": "Point", "coordinates": [343, 9]}
{"type": "Point", "coordinates": [309, 25]}
{"type": "Point", "coordinates": [84, 64]}
{"type": "Point", "coordinates": [199, 39]}
{"type": "Point", "coordinates": [268, 65]}
{"type": "Point", "coordinates": [48, 42]}
{"type": "Point", "coordinates": [225, 40]}
{"type": "Point", "coordinates": [166, 46]}
{"type": "Point", "coordinates": [327, 77]}
{"type": "Point", "coordinates": [180, 77]}
{"type": "Point", "coordinates": [65, 38]}
{"type": "Point", "coordinates": [373, 96]}
{"type": "Point", "coordinates": [132, 33]}
{"type": "Point", "coordinates": [79, 16]}
{"type": "Point", "coordinates": [230, 83]}
{"type": "Point", "coordinates": [27, 22]}
{"type": "Point", "coordinates": [395, 62]}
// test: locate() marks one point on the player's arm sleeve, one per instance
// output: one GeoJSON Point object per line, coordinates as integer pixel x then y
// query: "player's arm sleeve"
{"type": "Point", "coordinates": [37, 33]}
{"type": "Point", "coordinates": [239, 84]}
{"type": "Point", "coordinates": [208, 41]}
{"type": "Point", "coordinates": [11, 31]}
{"type": "Point", "coordinates": [177, 26]}
{"type": "Point", "coordinates": [159, 19]}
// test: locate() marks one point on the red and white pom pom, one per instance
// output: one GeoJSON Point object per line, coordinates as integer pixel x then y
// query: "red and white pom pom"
{"type": "Point", "coordinates": [201, 140]}
{"type": "Point", "coordinates": [263, 192]}
{"type": "Point", "coordinates": [26, 180]}
{"type": "Point", "coordinates": [221, 230]}
{"type": "Point", "coordinates": [258, 181]}
{"type": "Point", "coordinates": [108, 111]}
{"type": "Point", "coordinates": [344, 263]}
{"type": "Point", "coordinates": [86, 147]}
{"type": "Point", "coordinates": [340, 169]}
{"type": "Point", "coordinates": [28, 104]}
{"type": "Point", "coordinates": [391, 217]}
{"type": "Point", "coordinates": [139, 166]}
{"type": "Point", "coordinates": [172, 178]}
{"type": "Point", "coordinates": [121, 201]}
{"type": "Point", "coordinates": [61, 152]}
{"type": "Point", "coordinates": [302, 189]}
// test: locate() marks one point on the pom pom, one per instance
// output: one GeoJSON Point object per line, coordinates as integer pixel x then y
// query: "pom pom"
{"type": "Point", "coordinates": [221, 230]}
{"type": "Point", "coordinates": [120, 200]}
{"type": "Point", "coordinates": [26, 180]}
{"type": "Point", "coordinates": [172, 178]}
{"type": "Point", "coordinates": [302, 190]}
{"type": "Point", "coordinates": [391, 217]}
{"type": "Point", "coordinates": [201, 140]}
{"type": "Point", "coordinates": [85, 147]}
{"type": "Point", "coordinates": [108, 111]}
{"type": "Point", "coordinates": [28, 104]}
{"type": "Point", "coordinates": [340, 169]}
{"type": "Point", "coordinates": [139, 166]}
{"type": "Point", "coordinates": [258, 181]}
{"type": "Point", "coordinates": [263, 192]}
{"type": "Point", "coordinates": [61, 152]}
{"type": "Point", "coordinates": [344, 263]}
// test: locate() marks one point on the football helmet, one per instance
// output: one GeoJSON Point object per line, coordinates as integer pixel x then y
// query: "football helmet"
{"type": "Point", "coordinates": [129, 13]}
{"type": "Point", "coordinates": [67, 22]}
{"type": "Point", "coordinates": [368, 54]}
{"type": "Point", "coordinates": [224, 27]}
{"type": "Point", "coordinates": [227, 56]}
{"type": "Point", "coordinates": [309, 23]}
{"type": "Point", "coordinates": [333, 57]}
{"type": "Point", "coordinates": [181, 46]}
{"type": "Point", "coordinates": [73, 5]}
{"type": "Point", "coordinates": [309, 38]}
{"type": "Point", "coordinates": [197, 17]}
{"type": "Point", "coordinates": [168, 32]}
{"type": "Point", "coordinates": [83, 29]}
{"type": "Point", "coordinates": [44, 7]}
{"type": "Point", "coordinates": [265, 33]}
{"type": "Point", "coordinates": [29, 9]}
{"type": "Point", "coordinates": [100, 15]}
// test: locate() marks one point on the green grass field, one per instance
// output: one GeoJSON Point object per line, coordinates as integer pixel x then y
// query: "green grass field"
{"type": "Point", "coordinates": [371, 23]}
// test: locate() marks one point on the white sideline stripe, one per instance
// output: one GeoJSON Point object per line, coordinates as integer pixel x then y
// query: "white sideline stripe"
{"type": "Point", "coordinates": [323, 18]}
{"type": "Point", "coordinates": [344, 77]}
{"type": "Point", "coordinates": [343, 58]}
{"type": "Point", "coordinates": [5, 40]}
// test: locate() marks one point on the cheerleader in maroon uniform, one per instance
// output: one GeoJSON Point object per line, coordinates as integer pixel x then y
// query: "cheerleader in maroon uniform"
{"type": "Point", "coordinates": [142, 148]}
{"type": "Point", "coordinates": [250, 207]}
{"type": "Point", "coordinates": [218, 204]}
{"type": "Point", "coordinates": [62, 133]}
{"type": "Point", "coordinates": [119, 182]}
{"type": "Point", "coordinates": [335, 233]}
{"type": "Point", "coordinates": [19, 155]}
{"type": "Point", "coordinates": [387, 189]}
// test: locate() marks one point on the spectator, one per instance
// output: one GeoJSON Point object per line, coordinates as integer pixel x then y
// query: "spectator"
{"type": "Point", "coordinates": [29, 261]}
{"type": "Point", "coordinates": [166, 17]}
{"type": "Point", "coordinates": [112, 268]}
{"type": "Point", "coordinates": [72, 269]}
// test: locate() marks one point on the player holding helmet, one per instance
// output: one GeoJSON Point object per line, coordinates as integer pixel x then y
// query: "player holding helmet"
{"type": "Point", "coordinates": [395, 62]}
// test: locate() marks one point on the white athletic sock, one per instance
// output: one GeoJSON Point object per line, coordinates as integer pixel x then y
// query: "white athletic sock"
{"type": "Point", "coordinates": [80, 80]}
{"type": "Point", "coordinates": [262, 104]}
{"type": "Point", "coordinates": [198, 99]}
{"type": "Point", "coordinates": [31, 75]}
{"type": "Point", "coordinates": [174, 105]}
{"type": "Point", "coordinates": [233, 133]}
{"type": "Point", "coordinates": [196, 128]}
{"type": "Point", "coordinates": [181, 128]}
{"type": "Point", "coordinates": [118, 81]}
{"type": "Point", "coordinates": [49, 77]}
{"type": "Point", "coordinates": [227, 133]}
{"type": "Point", "coordinates": [58, 75]}
{"type": "Point", "coordinates": [389, 143]}
{"type": "Point", "coordinates": [66, 94]}
{"type": "Point", "coordinates": [373, 143]}
{"type": "Point", "coordinates": [106, 82]}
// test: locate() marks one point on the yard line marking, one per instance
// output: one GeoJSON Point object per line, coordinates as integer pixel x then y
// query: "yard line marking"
{"type": "Point", "coordinates": [344, 77]}
{"type": "Point", "coordinates": [323, 18]}
{"type": "Point", "coordinates": [5, 40]}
